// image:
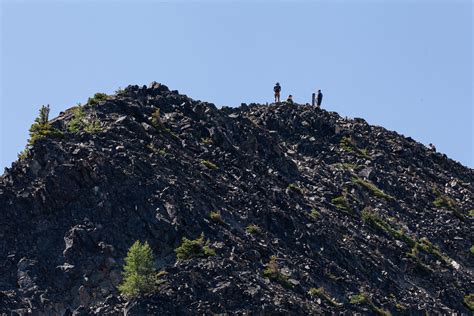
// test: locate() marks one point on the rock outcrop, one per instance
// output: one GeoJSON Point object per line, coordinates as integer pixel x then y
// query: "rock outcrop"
{"type": "Point", "coordinates": [358, 218]}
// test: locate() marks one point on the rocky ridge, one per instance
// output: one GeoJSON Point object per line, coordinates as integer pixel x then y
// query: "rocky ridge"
{"type": "Point", "coordinates": [359, 218]}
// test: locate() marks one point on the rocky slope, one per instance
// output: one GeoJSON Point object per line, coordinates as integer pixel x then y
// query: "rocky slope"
{"type": "Point", "coordinates": [359, 218]}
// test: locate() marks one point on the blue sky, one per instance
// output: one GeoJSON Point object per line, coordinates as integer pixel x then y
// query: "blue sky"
{"type": "Point", "coordinates": [404, 65]}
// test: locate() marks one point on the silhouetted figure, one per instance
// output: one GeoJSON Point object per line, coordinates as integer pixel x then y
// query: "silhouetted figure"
{"type": "Point", "coordinates": [319, 98]}
{"type": "Point", "coordinates": [432, 147]}
{"type": "Point", "coordinates": [289, 100]}
{"type": "Point", "coordinates": [277, 90]}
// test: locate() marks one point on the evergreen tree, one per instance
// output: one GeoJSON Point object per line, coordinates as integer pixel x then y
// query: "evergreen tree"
{"type": "Point", "coordinates": [139, 271]}
{"type": "Point", "coordinates": [41, 127]}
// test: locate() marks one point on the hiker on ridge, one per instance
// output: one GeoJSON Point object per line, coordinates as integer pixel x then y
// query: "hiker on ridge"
{"type": "Point", "coordinates": [319, 98]}
{"type": "Point", "coordinates": [289, 100]}
{"type": "Point", "coordinates": [277, 89]}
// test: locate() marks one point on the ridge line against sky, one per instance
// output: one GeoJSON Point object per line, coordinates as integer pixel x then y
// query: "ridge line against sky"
{"type": "Point", "coordinates": [406, 66]}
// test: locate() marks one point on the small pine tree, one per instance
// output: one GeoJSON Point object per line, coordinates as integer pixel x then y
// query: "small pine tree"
{"type": "Point", "coordinates": [43, 117]}
{"type": "Point", "coordinates": [41, 127]}
{"type": "Point", "coordinates": [139, 271]}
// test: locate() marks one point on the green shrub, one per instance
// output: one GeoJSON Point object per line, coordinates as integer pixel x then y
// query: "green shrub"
{"type": "Point", "coordinates": [41, 127]}
{"type": "Point", "coordinates": [472, 250]}
{"type": "Point", "coordinates": [314, 213]}
{"type": "Point", "coordinates": [444, 201]}
{"type": "Point", "coordinates": [400, 307]}
{"type": "Point", "coordinates": [208, 164]}
{"type": "Point", "coordinates": [340, 202]}
{"type": "Point", "coordinates": [139, 271]}
{"type": "Point", "coordinates": [253, 229]}
{"type": "Point", "coordinates": [471, 213]}
{"type": "Point", "coordinates": [76, 124]}
{"type": "Point", "coordinates": [93, 126]}
{"type": "Point", "coordinates": [79, 122]}
{"type": "Point", "coordinates": [216, 217]}
{"type": "Point", "coordinates": [206, 141]}
{"type": "Point", "coordinates": [197, 248]}
{"type": "Point", "coordinates": [97, 98]}
{"type": "Point", "coordinates": [156, 119]}
{"type": "Point", "coordinates": [272, 271]}
{"type": "Point", "coordinates": [358, 299]}
{"type": "Point", "coordinates": [162, 152]}
{"type": "Point", "coordinates": [469, 301]}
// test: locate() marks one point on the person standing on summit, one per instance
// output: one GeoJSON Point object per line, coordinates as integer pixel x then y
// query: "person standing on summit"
{"type": "Point", "coordinates": [277, 89]}
{"type": "Point", "coordinates": [319, 98]}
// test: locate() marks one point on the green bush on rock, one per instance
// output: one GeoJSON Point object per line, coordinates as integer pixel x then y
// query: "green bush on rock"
{"type": "Point", "coordinates": [197, 248]}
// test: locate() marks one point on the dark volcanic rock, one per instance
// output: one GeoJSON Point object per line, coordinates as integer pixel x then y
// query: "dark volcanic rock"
{"type": "Point", "coordinates": [345, 207]}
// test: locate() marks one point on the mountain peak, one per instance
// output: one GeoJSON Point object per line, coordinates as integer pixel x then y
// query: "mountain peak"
{"type": "Point", "coordinates": [307, 212]}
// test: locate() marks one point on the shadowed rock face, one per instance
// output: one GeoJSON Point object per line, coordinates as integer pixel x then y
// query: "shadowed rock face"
{"type": "Point", "coordinates": [346, 208]}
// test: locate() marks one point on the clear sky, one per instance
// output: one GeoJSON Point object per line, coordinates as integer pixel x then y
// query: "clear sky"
{"type": "Point", "coordinates": [404, 65]}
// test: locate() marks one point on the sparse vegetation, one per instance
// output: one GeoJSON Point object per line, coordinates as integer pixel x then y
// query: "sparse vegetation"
{"type": "Point", "coordinates": [414, 254]}
{"type": "Point", "coordinates": [400, 307]}
{"type": "Point", "coordinates": [322, 294]}
{"type": "Point", "coordinates": [139, 271]}
{"type": "Point", "coordinates": [41, 127]}
{"type": "Point", "coordinates": [272, 271]}
{"type": "Point", "coordinates": [295, 188]}
{"type": "Point", "coordinates": [156, 119]}
{"type": "Point", "coordinates": [24, 154]}
{"type": "Point", "coordinates": [216, 217]}
{"type": "Point", "coordinates": [197, 248]}
{"type": "Point", "coordinates": [314, 213]}
{"type": "Point", "coordinates": [80, 123]}
{"type": "Point", "coordinates": [209, 164]}
{"type": "Point", "coordinates": [428, 247]}
{"type": "Point", "coordinates": [206, 141]}
{"type": "Point", "coordinates": [151, 147]}
{"type": "Point", "coordinates": [162, 152]}
{"type": "Point", "coordinates": [358, 299]}
{"type": "Point", "coordinates": [364, 299]}
{"type": "Point", "coordinates": [372, 188]}
{"type": "Point", "coordinates": [97, 98]}
{"type": "Point", "coordinates": [93, 126]}
{"type": "Point", "coordinates": [76, 124]}
{"type": "Point", "coordinates": [253, 229]}
{"type": "Point", "coordinates": [424, 244]}
{"type": "Point", "coordinates": [376, 222]}
{"type": "Point", "coordinates": [469, 301]}
{"type": "Point", "coordinates": [348, 145]}
{"type": "Point", "coordinates": [340, 202]}
{"type": "Point", "coordinates": [472, 250]}
{"type": "Point", "coordinates": [444, 201]}
{"type": "Point", "coordinates": [349, 166]}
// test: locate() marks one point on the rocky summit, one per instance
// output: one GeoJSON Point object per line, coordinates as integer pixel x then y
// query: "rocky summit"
{"type": "Point", "coordinates": [305, 211]}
